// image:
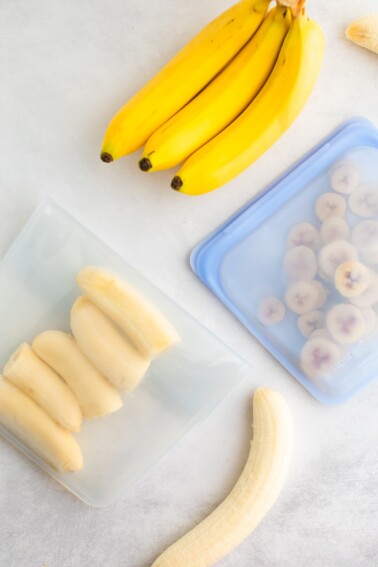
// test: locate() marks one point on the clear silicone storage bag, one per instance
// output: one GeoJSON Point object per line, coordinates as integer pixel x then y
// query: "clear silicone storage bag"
{"type": "Point", "coordinates": [181, 387]}
{"type": "Point", "coordinates": [298, 265]}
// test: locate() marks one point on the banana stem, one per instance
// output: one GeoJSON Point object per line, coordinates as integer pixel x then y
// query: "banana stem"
{"type": "Point", "coordinates": [296, 6]}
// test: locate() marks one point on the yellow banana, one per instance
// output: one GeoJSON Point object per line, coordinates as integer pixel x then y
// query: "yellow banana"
{"type": "Point", "coordinates": [266, 118]}
{"type": "Point", "coordinates": [364, 32]}
{"type": "Point", "coordinates": [182, 78]}
{"type": "Point", "coordinates": [253, 495]}
{"type": "Point", "coordinates": [222, 100]}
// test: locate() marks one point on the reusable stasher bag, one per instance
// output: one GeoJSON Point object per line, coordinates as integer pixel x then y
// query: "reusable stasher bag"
{"type": "Point", "coordinates": [182, 386]}
{"type": "Point", "coordinates": [242, 261]}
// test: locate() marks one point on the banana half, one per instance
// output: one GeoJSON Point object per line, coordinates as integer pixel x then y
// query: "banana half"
{"type": "Point", "coordinates": [143, 323]}
{"type": "Point", "coordinates": [253, 495]}
{"type": "Point", "coordinates": [34, 427]}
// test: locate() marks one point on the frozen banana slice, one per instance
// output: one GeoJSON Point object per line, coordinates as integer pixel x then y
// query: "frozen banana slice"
{"type": "Point", "coordinates": [271, 311]}
{"type": "Point", "coordinates": [319, 357]}
{"type": "Point", "coordinates": [352, 279]}
{"type": "Point", "coordinates": [31, 375]}
{"type": "Point", "coordinates": [330, 205]}
{"type": "Point", "coordinates": [300, 263]}
{"type": "Point", "coordinates": [95, 394]}
{"type": "Point", "coordinates": [105, 346]}
{"type": "Point", "coordinates": [370, 295]}
{"type": "Point", "coordinates": [364, 32]}
{"type": "Point", "coordinates": [345, 177]}
{"type": "Point", "coordinates": [301, 297]}
{"type": "Point", "coordinates": [363, 202]}
{"type": "Point", "coordinates": [145, 325]}
{"type": "Point", "coordinates": [334, 228]}
{"type": "Point", "coordinates": [304, 234]}
{"type": "Point", "coordinates": [346, 323]}
{"type": "Point", "coordinates": [365, 239]}
{"type": "Point", "coordinates": [310, 322]}
{"type": "Point", "coordinates": [37, 430]}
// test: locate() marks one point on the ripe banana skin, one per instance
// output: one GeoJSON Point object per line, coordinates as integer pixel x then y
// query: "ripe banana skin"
{"type": "Point", "coordinates": [37, 430]}
{"type": "Point", "coordinates": [267, 117]}
{"type": "Point", "coordinates": [147, 328]}
{"type": "Point", "coordinates": [222, 100]}
{"type": "Point", "coordinates": [253, 495]}
{"type": "Point", "coordinates": [96, 396]}
{"type": "Point", "coordinates": [182, 78]}
{"type": "Point", "coordinates": [33, 377]}
{"type": "Point", "coordinates": [105, 346]}
{"type": "Point", "coordinates": [364, 32]}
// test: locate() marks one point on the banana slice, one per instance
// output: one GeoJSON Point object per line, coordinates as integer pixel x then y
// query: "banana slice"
{"type": "Point", "coordinates": [323, 294]}
{"type": "Point", "coordinates": [330, 205]}
{"type": "Point", "coordinates": [352, 279]}
{"type": "Point", "coordinates": [364, 32]}
{"type": "Point", "coordinates": [363, 202]}
{"type": "Point", "coordinates": [105, 346]}
{"type": "Point", "coordinates": [345, 177]}
{"type": "Point", "coordinates": [319, 357]}
{"type": "Point", "coordinates": [334, 228]}
{"type": "Point", "coordinates": [304, 234]}
{"type": "Point", "coordinates": [310, 322]}
{"type": "Point", "coordinates": [300, 263]}
{"type": "Point", "coordinates": [271, 311]}
{"type": "Point", "coordinates": [334, 254]}
{"type": "Point", "coordinates": [31, 375]}
{"type": "Point", "coordinates": [365, 239]}
{"type": "Point", "coordinates": [96, 396]}
{"type": "Point", "coordinates": [370, 296]}
{"type": "Point", "coordinates": [252, 496]}
{"type": "Point", "coordinates": [144, 324]}
{"type": "Point", "coordinates": [37, 430]}
{"type": "Point", "coordinates": [301, 297]}
{"type": "Point", "coordinates": [346, 323]}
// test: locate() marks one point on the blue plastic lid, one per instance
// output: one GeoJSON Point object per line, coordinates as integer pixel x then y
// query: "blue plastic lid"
{"type": "Point", "coordinates": [298, 265]}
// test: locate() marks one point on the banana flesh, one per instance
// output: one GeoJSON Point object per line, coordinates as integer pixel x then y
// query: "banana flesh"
{"type": "Point", "coordinates": [105, 346]}
{"type": "Point", "coordinates": [253, 495]}
{"type": "Point", "coordinates": [147, 328]}
{"type": "Point", "coordinates": [95, 394]}
{"type": "Point", "coordinates": [222, 100]}
{"type": "Point", "coordinates": [37, 430]}
{"type": "Point", "coordinates": [31, 375]}
{"type": "Point", "coordinates": [267, 117]}
{"type": "Point", "coordinates": [364, 32]}
{"type": "Point", "coordinates": [182, 78]}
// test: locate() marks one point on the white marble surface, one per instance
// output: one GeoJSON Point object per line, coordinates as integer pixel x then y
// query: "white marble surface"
{"type": "Point", "coordinates": [65, 67]}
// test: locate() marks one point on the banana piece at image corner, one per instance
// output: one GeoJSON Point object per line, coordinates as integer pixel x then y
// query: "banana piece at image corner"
{"type": "Point", "coordinates": [182, 78]}
{"type": "Point", "coordinates": [25, 419]}
{"type": "Point", "coordinates": [364, 32]}
{"type": "Point", "coordinates": [253, 495]}
{"type": "Point", "coordinates": [222, 100]}
{"type": "Point", "coordinates": [270, 114]}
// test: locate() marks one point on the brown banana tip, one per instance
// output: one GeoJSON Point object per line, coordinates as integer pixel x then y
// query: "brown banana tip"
{"type": "Point", "coordinates": [145, 164]}
{"type": "Point", "coordinates": [177, 183]}
{"type": "Point", "coordinates": [107, 158]}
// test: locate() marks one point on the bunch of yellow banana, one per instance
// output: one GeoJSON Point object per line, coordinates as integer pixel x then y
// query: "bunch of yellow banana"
{"type": "Point", "coordinates": [225, 98]}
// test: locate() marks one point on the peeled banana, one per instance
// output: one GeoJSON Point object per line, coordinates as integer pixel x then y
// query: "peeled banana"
{"type": "Point", "coordinates": [105, 346]}
{"type": "Point", "coordinates": [96, 396]}
{"type": "Point", "coordinates": [222, 100]}
{"type": "Point", "coordinates": [144, 324]}
{"type": "Point", "coordinates": [182, 78]}
{"type": "Point", "coordinates": [364, 32]}
{"type": "Point", "coordinates": [266, 118]}
{"type": "Point", "coordinates": [253, 495]}
{"type": "Point", "coordinates": [31, 375]}
{"type": "Point", "coordinates": [37, 430]}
